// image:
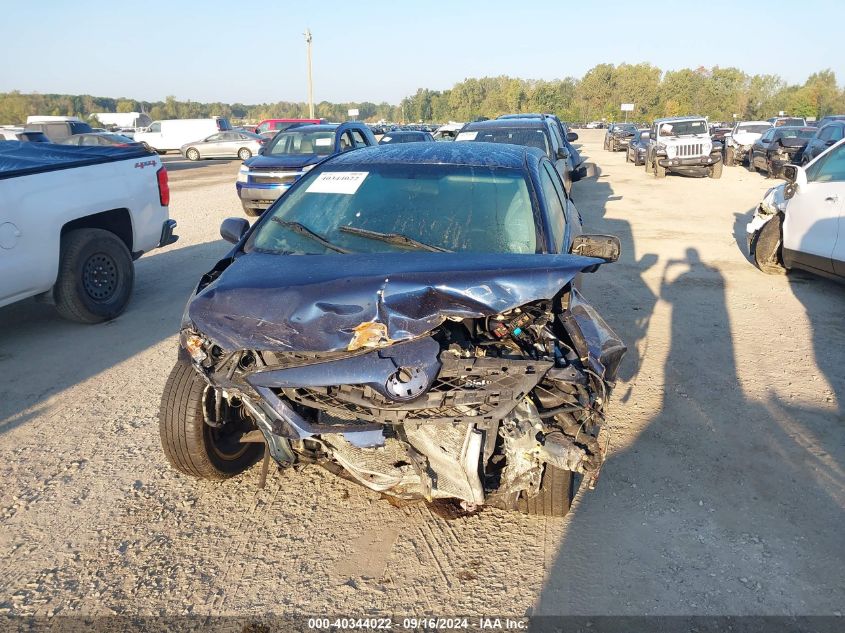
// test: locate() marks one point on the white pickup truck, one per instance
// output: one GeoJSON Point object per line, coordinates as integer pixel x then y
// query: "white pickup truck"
{"type": "Point", "coordinates": [73, 220]}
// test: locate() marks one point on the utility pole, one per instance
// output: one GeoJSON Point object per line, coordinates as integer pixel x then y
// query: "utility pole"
{"type": "Point", "coordinates": [310, 81]}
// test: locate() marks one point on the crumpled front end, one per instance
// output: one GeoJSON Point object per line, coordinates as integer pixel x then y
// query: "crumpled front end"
{"type": "Point", "coordinates": [773, 202]}
{"type": "Point", "coordinates": [473, 408]}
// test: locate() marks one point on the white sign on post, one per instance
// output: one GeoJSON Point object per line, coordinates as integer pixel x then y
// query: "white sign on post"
{"type": "Point", "coordinates": [353, 111]}
{"type": "Point", "coordinates": [627, 107]}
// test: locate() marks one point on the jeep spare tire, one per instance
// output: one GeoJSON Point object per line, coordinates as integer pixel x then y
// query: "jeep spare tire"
{"type": "Point", "coordinates": [95, 276]}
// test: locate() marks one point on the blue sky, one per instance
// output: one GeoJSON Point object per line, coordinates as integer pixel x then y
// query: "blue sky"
{"type": "Point", "coordinates": [383, 50]}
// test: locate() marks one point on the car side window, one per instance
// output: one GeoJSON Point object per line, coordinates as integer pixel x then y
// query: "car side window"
{"type": "Point", "coordinates": [155, 127]}
{"type": "Point", "coordinates": [829, 168]}
{"type": "Point", "coordinates": [89, 140]}
{"type": "Point", "coordinates": [825, 133]}
{"type": "Point", "coordinates": [346, 142]}
{"type": "Point", "coordinates": [359, 139]}
{"type": "Point", "coordinates": [836, 132]}
{"type": "Point", "coordinates": [767, 137]}
{"type": "Point", "coordinates": [554, 203]}
{"type": "Point", "coordinates": [213, 138]}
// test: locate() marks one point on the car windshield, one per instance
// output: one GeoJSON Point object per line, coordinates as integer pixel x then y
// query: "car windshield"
{"type": "Point", "coordinates": [451, 207]}
{"type": "Point", "coordinates": [754, 128]}
{"type": "Point", "coordinates": [512, 136]}
{"type": "Point", "coordinates": [683, 128]}
{"type": "Point", "coordinates": [627, 128]}
{"type": "Point", "coordinates": [302, 141]}
{"type": "Point", "coordinates": [795, 133]}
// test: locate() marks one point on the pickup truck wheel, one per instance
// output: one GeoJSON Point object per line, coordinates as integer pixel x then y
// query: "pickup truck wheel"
{"type": "Point", "coordinates": [659, 170]}
{"type": "Point", "coordinates": [192, 446]}
{"type": "Point", "coordinates": [649, 166]}
{"type": "Point", "coordinates": [244, 153]}
{"type": "Point", "coordinates": [729, 157]}
{"type": "Point", "coordinates": [555, 497]}
{"type": "Point", "coordinates": [95, 276]}
{"type": "Point", "coordinates": [253, 213]}
{"type": "Point", "coordinates": [716, 170]}
{"type": "Point", "coordinates": [192, 154]}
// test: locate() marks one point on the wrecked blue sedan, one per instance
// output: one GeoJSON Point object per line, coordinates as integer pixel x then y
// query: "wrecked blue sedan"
{"type": "Point", "coordinates": [407, 317]}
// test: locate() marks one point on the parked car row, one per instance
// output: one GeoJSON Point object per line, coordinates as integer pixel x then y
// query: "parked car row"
{"type": "Point", "coordinates": [681, 145]}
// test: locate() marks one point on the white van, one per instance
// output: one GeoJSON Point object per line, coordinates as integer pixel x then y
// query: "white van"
{"type": "Point", "coordinates": [169, 135]}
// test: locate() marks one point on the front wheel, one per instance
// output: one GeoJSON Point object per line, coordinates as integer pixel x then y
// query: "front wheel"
{"type": "Point", "coordinates": [192, 154]}
{"type": "Point", "coordinates": [555, 496]}
{"type": "Point", "coordinates": [244, 153]}
{"type": "Point", "coordinates": [659, 170]}
{"type": "Point", "coordinates": [649, 166]}
{"type": "Point", "coordinates": [766, 247]}
{"type": "Point", "coordinates": [192, 446]}
{"type": "Point", "coordinates": [95, 276]}
{"type": "Point", "coordinates": [716, 170]}
{"type": "Point", "coordinates": [729, 157]}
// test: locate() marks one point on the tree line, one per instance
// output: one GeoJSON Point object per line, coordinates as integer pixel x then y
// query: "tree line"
{"type": "Point", "coordinates": [719, 93]}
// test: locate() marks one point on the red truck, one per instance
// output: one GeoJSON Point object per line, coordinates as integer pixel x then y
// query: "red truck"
{"type": "Point", "coordinates": [271, 126]}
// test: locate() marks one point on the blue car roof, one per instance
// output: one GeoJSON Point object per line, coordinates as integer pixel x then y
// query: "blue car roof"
{"type": "Point", "coordinates": [444, 153]}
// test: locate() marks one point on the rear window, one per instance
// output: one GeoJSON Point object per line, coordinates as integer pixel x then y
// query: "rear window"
{"type": "Point", "coordinates": [509, 136]}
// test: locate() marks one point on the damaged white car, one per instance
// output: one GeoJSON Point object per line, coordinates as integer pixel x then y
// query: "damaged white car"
{"type": "Point", "coordinates": [743, 135]}
{"type": "Point", "coordinates": [801, 224]}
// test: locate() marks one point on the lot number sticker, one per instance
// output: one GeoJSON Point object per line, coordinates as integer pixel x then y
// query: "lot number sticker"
{"type": "Point", "coordinates": [337, 182]}
{"type": "Point", "coordinates": [466, 136]}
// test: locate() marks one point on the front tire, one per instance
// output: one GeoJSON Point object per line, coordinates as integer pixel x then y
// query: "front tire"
{"type": "Point", "coordinates": [192, 154]}
{"type": "Point", "coordinates": [253, 213]}
{"type": "Point", "coordinates": [555, 496]}
{"type": "Point", "coordinates": [659, 170]}
{"type": "Point", "coordinates": [766, 247]}
{"type": "Point", "coordinates": [244, 153]}
{"type": "Point", "coordinates": [729, 157]}
{"type": "Point", "coordinates": [95, 276]}
{"type": "Point", "coordinates": [649, 166]}
{"type": "Point", "coordinates": [716, 170]}
{"type": "Point", "coordinates": [192, 446]}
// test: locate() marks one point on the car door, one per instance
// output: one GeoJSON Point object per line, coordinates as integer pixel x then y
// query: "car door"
{"type": "Point", "coordinates": [213, 145]}
{"type": "Point", "coordinates": [813, 217]}
{"type": "Point", "coordinates": [230, 143]}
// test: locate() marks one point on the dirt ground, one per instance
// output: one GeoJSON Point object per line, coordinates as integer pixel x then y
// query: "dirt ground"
{"type": "Point", "coordinates": [723, 494]}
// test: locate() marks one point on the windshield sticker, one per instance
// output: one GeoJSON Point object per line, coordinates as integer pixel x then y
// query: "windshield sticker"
{"type": "Point", "coordinates": [323, 142]}
{"type": "Point", "coordinates": [337, 182]}
{"type": "Point", "coordinates": [466, 136]}
{"type": "Point", "coordinates": [387, 139]}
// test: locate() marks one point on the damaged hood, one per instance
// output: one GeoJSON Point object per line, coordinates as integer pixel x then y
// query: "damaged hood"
{"type": "Point", "coordinates": [315, 303]}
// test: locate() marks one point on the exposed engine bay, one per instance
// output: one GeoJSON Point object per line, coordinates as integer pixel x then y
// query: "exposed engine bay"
{"type": "Point", "coordinates": [475, 409]}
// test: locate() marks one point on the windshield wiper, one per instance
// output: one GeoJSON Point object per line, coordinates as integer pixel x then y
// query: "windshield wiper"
{"type": "Point", "coordinates": [301, 229]}
{"type": "Point", "coordinates": [393, 238]}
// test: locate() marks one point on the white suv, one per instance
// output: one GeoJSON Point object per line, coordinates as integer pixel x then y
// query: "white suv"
{"type": "Point", "coordinates": [801, 223]}
{"type": "Point", "coordinates": [683, 145]}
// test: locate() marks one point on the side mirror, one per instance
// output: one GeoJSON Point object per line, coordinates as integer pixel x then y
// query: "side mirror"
{"type": "Point", "coordinates": [571, 137]}
{"type": "Point", "coordinates": [562, 154]}
{"type": "Point", "coordinates": [233, 229]}
{"type": "Point", "coordinates": [606, 247]}
{"type": "Point", "coordinates": [261, 150]}
{"type": "Point", "coordinates": [795, 177]}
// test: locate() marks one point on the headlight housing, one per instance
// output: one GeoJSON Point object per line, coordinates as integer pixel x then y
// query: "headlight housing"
{"type": "Point", "coordinates": [243, 174]}
{"type": "Point", "coordinates": [194, 344]}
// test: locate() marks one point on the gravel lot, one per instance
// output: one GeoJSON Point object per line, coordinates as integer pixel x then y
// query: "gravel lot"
{"type": "Point", "coordinates": [724, 492]}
